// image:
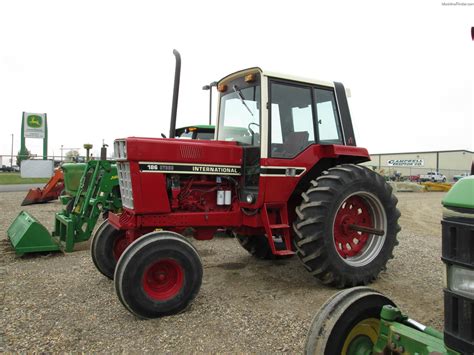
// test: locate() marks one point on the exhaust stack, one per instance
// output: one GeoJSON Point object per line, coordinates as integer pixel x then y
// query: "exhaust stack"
{"type": "Point", "coordinates": [174, 105]}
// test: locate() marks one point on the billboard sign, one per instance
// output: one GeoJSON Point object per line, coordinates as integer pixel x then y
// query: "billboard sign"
{"type": "Point", "coordinates": [406, 162]}
{"type": "Point", "coordinates": [34, 125]}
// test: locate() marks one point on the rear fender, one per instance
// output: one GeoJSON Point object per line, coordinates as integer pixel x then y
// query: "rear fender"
{"type": "Point", "coordinates": [317, 170]}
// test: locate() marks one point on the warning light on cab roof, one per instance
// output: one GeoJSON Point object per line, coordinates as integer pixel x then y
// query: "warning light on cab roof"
{"type": "Point", "coordinates": [250, 78]}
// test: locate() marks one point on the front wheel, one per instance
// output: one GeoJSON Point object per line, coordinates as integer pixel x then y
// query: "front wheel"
{"type": "Point", "coordinates": [348, 323]}
{"type": "Point", "coordinates": [159, 274]}
{"type": "Point", "coordinates": [346, 226]}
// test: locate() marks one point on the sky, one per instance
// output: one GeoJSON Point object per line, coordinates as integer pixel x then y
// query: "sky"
{"type": "Point", "coordinates": [104, 69]}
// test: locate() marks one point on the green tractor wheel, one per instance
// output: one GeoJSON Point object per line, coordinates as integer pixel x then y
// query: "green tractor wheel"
{"type": "Point", "coordinates": [348, 323]}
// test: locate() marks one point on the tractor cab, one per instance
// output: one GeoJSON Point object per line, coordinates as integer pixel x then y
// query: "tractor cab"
{"type": "Point", "coordinates": [281, 122]}
{"type": "Point", "coordinates": [298, 113]}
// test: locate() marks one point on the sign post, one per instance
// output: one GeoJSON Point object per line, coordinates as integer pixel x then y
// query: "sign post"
{"type": "Point", "coordinates": [34, 125]}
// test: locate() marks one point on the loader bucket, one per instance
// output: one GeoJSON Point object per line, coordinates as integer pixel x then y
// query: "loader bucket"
{"type": "Point", "coordinates": [27, 235]}
{"type": "Point", "coordinates": [49, 192]}
{"type": "Point", "coordinates": [40, 196]}
{"type": "Point", "coordinates": [33, 196]}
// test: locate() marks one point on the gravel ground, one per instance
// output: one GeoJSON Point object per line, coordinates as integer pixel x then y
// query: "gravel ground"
{"type": "Point", "coordinates": [59, 302]}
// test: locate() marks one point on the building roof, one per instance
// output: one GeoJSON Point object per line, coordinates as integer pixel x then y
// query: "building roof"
{"type": "Point", "coordinates": [432, 151]}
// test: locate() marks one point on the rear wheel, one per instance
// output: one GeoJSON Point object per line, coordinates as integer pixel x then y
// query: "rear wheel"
{"type": "Point", "coordinates": [107, 246]}
{"type": "Point", "coordinates": [158, 275]}
{"type": "Point", "coordinates": [348, 323]}
{"type": "Point", "coordinates": [257, 246]}
{"type": "Point", "coordinates": [347, 225]}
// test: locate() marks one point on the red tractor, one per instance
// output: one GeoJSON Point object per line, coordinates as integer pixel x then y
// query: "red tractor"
{"type": "Point", "coordinates": [280, 175]}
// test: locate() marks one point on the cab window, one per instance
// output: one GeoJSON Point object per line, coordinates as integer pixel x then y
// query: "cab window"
{"type": "Point", "coordinates": [291, 119]}
{"type": "Point", "coordinates": [328, 119]}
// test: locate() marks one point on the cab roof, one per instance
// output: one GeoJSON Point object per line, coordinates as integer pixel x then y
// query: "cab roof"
{"type": "Point", "coordinates": [276, 75]}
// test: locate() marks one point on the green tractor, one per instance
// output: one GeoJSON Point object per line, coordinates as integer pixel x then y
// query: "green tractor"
{"type": "Point", "coordinates": [91, 189]}
{"type": "Point", "coordinates": [360, 320]}
{"type": "Point", "coordinates": [203, 132]}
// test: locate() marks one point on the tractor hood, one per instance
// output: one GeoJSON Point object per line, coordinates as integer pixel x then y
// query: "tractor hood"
{"type": "Point", "coordinates": [181, 151]}
{"type": "Point", "coordinates": [461, 194]}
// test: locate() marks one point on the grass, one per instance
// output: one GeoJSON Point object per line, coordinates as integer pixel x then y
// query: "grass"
{"type": "Point", "coordinates": [15, 178]}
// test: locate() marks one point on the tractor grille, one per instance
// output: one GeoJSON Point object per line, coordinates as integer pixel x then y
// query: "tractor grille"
{"type": "Point", "coordinates": [458, 249]}
{"type": "Point", "coordinates": [120, 149]}
{"type": "Point", "coordinates": [125, 182]}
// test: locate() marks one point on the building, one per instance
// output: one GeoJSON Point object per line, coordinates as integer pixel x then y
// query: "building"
{"type": "Point", "coordinates": [447, 162]}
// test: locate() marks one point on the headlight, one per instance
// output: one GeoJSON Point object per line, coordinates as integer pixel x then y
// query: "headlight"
{"type": "Point", "coordinates": [461, 280]}
{"type": "Point", "coordinates": [249, 198]}
{"type": "Point", "coordinates": [120, 149]}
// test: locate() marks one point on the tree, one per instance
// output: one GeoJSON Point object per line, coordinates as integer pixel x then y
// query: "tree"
{"type": "Point", "coordinates": [72, 155]}
{"type": "Point", "coordinates": [20, 157]}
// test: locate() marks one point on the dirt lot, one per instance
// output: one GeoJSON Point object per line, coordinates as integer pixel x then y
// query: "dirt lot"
{"type": "Point", "coordinates": [60, 302]}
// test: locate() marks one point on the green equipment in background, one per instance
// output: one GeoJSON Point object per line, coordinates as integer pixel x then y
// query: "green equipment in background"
{"type": "Point", "coordinates": [72, 178]}
{"type": "Point", "coordinates": [90, 189]}
{"type": "Point", "coordinates": [97, 192]}
{"type": "Point", "coordinates": [360, 320]}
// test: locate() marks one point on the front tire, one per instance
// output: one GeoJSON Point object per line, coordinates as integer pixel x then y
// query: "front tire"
{"type": "Point", "coordinates": [107, 246]}
{"type": "Point", "coordinates": [348, 323]}
{"type": "Point", "coordinates": [159, 274]}
{"type": "Point", "coordinates": [345, 198]}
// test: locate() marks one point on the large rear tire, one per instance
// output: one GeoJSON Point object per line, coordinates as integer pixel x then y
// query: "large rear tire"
{"type": "Point", "coordinates": [327, 241]}
{"type": "Point", "coordinates": [348, 323]}
{"type": "Point", "coordinates": [107, 246]}
{"type": "Point", "coordinates": [159, 274]}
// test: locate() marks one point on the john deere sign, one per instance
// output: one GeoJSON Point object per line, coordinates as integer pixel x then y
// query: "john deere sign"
{"type": "Point", "coordinates": [34, 125]}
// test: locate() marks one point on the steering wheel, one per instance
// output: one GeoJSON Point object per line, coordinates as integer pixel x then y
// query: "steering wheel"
{"type": "Point", "coordinates": [252, 132]}
{"type": "Point", "coordinates": [250, 129]}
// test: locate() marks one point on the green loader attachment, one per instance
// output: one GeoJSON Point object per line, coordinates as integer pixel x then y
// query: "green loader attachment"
{"type": "Point", "coordinates": [97, 192]}
{"type": "Point", "coordinates": [27, 235]}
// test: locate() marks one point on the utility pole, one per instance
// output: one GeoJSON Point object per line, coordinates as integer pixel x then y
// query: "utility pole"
{"type": "Point", "coordinates": [11, 158]}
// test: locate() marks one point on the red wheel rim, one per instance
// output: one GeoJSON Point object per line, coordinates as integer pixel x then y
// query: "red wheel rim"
{"type": "Point", "coordinates": [120, 244]}
{"type": "Point", "coordinates": [163, 279]}
{"type": "Point", "coordinates": [354, 210]}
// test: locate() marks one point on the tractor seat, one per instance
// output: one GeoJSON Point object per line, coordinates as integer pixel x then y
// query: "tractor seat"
{"type": "Point", "coordinates": [294, 143]}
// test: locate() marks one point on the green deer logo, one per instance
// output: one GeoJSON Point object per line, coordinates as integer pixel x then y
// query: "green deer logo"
{"type": "Point", "coordinates": [34, 121]}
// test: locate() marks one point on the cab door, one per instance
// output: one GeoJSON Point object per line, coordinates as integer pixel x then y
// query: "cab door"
{"type": "Point", "coordinates": [301, 118]}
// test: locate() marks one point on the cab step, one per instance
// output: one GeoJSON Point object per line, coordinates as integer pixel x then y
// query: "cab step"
{"type": "Point", "coordinates": [278, 232]}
